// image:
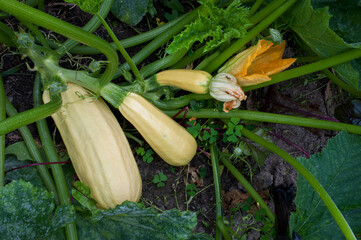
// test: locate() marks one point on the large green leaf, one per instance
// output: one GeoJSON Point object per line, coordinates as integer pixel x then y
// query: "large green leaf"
{"type": "Point", "coordinates": [130, 11]}
{"type": "Point", "coordinates": [20, 150]}
{"type": "Point", "coordinates": [337, 169]}
{"type": "Point", "coordinates": [27, 212]}
{"type": "Point", "coordinates": [130, 221]}
{"type": "Point", "coordinates": [312, 26]}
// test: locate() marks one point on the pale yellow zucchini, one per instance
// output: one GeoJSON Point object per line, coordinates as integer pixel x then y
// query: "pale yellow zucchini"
{"type": "Point", "coordinates": [168, 139]}
{"type": "Point", "coordinates": [98, 148]}
{"type": "Point", "coordinates": [195, 81]}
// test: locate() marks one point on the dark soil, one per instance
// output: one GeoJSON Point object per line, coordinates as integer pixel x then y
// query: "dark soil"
{"type": "Point", "coordinates": [310, 96]}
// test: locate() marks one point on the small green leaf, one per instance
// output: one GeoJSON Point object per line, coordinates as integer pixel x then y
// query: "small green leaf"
{"type": "Point", "coordinates": [81, 193]}
{"type": "Point", "coordinates": [89, 6]}
{"type": "Point", "coordinates": [232, 138]}
{"type": "Point", "coordinates": [20, 150]}
{"type": "Point", "coordinates": [156, 179]}
{"type": "Point", "coordinates": [140, 151]}
{"type": "Point", "coordinates": [235, 121]}
{"type": "Point", "coordinates": [162, 177]}
{"type": "Point", "coordinates": [161, 184]}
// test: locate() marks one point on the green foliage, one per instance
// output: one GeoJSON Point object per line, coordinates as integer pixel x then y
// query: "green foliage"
{"type": "Point", "coordinates": [194, 128]}
{"type": "Point", "coordinates": [191, 189]}
{"type": "Point", "coordinates": [312, 26]}
{"type": "Point", "coordinates": [159, 179]}
{"type": "Point", "coordinates": [130, 11]}
{"type": "Point", "coordinates": [214, 28]}
{"type": "Point", "coordinates": [82, 193]}
{"type": "Point", "coordinates": [337, 169]}
{"type": "Point", "coordinates": [147, 155]}
{"type": "Point", "coordinates": [233, 131]}
{"type": "Point", "coordinates": [29, 174]}
{"type": "Point", "coordinates": [20, 150]}
{"type": "Point", "coordinates": [27, 212]}
{"type": "Point", "coordinates": [176, 7]}
{"type": "Point", "coordinates": [89, 6]}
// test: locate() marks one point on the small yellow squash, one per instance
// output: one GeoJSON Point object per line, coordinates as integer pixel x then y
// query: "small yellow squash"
{"type": "Point", "coordinates": [168, 139]}
{"type": "Point", "coordinates": [97, 147]}
{"type": "Point", "coordinates": [195, 81]}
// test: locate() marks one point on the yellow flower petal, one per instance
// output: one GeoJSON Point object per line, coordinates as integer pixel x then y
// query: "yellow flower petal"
{"type": "Point", "coordinates": [255, 64]}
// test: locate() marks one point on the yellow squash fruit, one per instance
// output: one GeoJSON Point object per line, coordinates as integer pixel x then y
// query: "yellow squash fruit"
{"type": "Point", "coordinates": [168, 139]}
{"type": "Point", "coordinates": [98, 148]}
{"type": "Point", "coordinates": [195, 81]}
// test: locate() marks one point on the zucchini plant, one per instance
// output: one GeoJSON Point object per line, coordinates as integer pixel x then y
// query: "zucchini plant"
{"type": "Point", "coordinates": [229, 47]}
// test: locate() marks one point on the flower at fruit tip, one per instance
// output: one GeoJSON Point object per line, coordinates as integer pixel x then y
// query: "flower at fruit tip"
{"type": "Point", "coordinates": [224, 88]}
{"type": "Point", "coordinates": [255, 64]}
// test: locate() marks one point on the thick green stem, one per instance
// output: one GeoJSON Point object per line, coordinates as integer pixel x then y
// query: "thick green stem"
{"type": "Point", "coordinates": [47, 21]}
{"type": "Point", "coordinates": [52, 155]}
{"type": "Point", "coordinates": [162, 63]}
{"type": "Point", "coordinates": [335, 212]}
{"type": "Point", "coordinates": [18, 120]}
{"type": "Point", "coordinates": [249, 36]}
{"type": "Point", "coordinates": [309, 68]}
{"type": "Point", "coordinates": [131, 41]}
{"type": "Point", "coordinates": [2, 137]}
{"type": "Point", "coordinates": [255, 7]}
{"type": "Point", "coordinates": [271, 117]}
{"type": "Point", "coordinates": [91, 26]}
{"type": "Point", "coordinates": [155, 44]}
{"type": "Point", "coordinates": [34, 151]}
{"type": "Point", "coordinates": [121, 50]}
{"type": "Point", "coordinates": [254, 194]}
{"type": "Point", "coordinates": [221, 229]}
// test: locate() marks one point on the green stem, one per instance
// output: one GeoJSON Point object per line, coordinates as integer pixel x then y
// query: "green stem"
{"type": "Point", "coordinates": [2, 137]}
{"type": "Point", "coordinates": [270, 8]}
{"type": "Point", "coordinates": [52, 155]}
{"type": "Point", "coordinates": [249, 36]}
{"type": "Point", "coordinates": [255, 7]}
{"type": "Point", "coordinates": [271, 117]}
{"type": "Point", "coordinates": [221, 229]}
{"type": "Point", "coordinates": [91, 26]}
{"type": "Point", "coordinates": [254, 194]}
{"type": "Point", "coordinates": [154, 45]}
{"type": "Point", "coordinates": [131, 41]}
{"type": "Point", "coordinates": [18, 120]}
{"type": "Point", "coordinates": [175, 103]}
{"type": "Point", "coordinates": [47, 21]}
{"type": "Point", "coordinates": [162, 63]}
{"type": "Point", "coordinates": [335, 212]}
{"type": "Point", "coordinates": [34, 151]}
{"type": "Point", "coordinates": [309, 68]}
{"type": "Point", "coordinates": [341, 84]}
{"type": "Point", "coordinates": [121, 50]}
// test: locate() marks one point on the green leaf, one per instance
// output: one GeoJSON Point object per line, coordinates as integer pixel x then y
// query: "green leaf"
{"type": "Point", "coordinates": [132, 221]}
{"type": "Point", "coordinates": [81, 193]}
{"type": "Point", "coordinates": [20, 150]}
{"type": "Point", "coordinates": [89, 6]}
{"type": "Point", "coordinates": [214, 28]}
{"type": "Point", "coordinates": [235, 121]}
{"type": "Point", "coordinates": [130, 11]}
{"type": "Point", "coordinates": [337, 169]}
{"type": "Point", "coordinates": [29, 174]}
{"type": "Point", "coordinates": [27, 212]}
{"type": "Point", "coordinates": [312, 26]}
{"type": "Point", "coordinates": [140, 151]}
{"type": "Point", "coordinates": [156, 179]}
{"type": "Point", "coordinates": [162, 177]}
